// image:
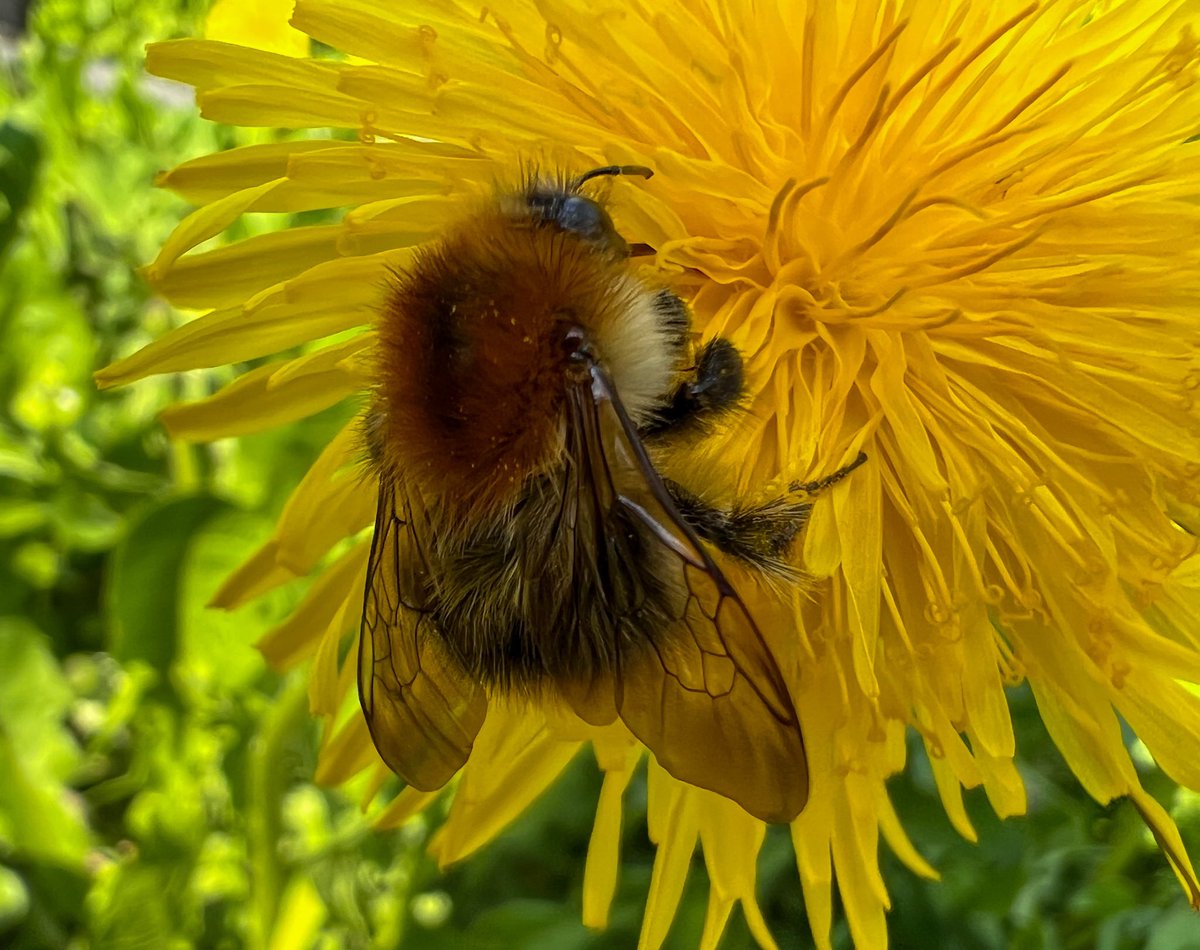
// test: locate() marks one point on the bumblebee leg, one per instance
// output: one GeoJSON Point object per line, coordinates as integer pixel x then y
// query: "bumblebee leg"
{"type": "Point", "coordinates": [811, 488]}
{"type": "Point", "coordinates": [717, 387]}
{"type": "Point", "coordinates": [674, 315]}
{"type": "Point", "coordinates": [760, 535]}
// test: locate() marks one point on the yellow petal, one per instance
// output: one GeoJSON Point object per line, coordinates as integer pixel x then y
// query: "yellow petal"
{"type": "Point", "coordinates": [260, 573]}
{"type": "Point", "coordinates": [324, 300]}
{"type": "Point", "coordinates": [302, 911]}
{"type": "Point", "coordinates": [204, 223]}
{"type": "Point", "coordinates": [672, 817]}
{"type": "Point", "coordinates": [288, 643]}
{"type": "Point", "coordinates": [332, 501]}
{"type": "Point", "coordinates": [335, 498]}
{"type": "Point", "coordinates": [406, 805]}
{"type": "Point", "coordinates": [899, 842]}
{"type": "Point", "coordinates": [212, 177]}
{"type": "Point", "coordinates": [274, 106]}
{"type": "Point", "coordinates": [345, 752]}
{"type": "Point", "coordinates": [514, 759]}
{"type": "Point", "coordinates": [1003, 784]}
{"type": "Point", "coordinates": [208, 64]}
{"type": "Point", "coordinates": [257, 401]}
{"type": "Point", "coordinates": [1165, 716]}
{"type": "Point", "coordinates": [857, 509]}
{"type": "Point", "coordinates": [228, 275]}
{"type": "Point", "coordinates": [854, 840]}
{"type": "Point", "coordinates": [325, 679]}
{"type": "Point", "coordinates": [730, 840]}
{"type": "Point", "coordinates": [604, 854]}
{"type": "Point", "coordinates": [1167, 835]}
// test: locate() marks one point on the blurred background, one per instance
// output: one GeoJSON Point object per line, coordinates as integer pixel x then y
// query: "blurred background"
{"type": "Point", "coordinates": [155, 776]}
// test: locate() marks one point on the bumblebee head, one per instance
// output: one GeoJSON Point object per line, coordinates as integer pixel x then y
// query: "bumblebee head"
{"type": "Point", "coordinates": [562, 205]}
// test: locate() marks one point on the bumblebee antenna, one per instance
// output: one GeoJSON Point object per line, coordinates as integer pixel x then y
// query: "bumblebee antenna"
{"type": "Point", "coordinates": [639, 170]}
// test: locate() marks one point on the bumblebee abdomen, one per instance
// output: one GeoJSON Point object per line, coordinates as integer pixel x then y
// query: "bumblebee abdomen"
{"type": "Point", "coordinates": [524, 603]}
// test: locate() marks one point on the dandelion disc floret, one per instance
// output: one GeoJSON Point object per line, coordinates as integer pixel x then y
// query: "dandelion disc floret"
{"type": "Point", "coordinates": [960, 238]}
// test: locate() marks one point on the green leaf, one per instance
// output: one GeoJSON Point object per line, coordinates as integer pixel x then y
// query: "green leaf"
{"type": "Point", "coordinates": [137, 905]}
{"type": "Point", "coordinates": [147, 576]}
{"type": "Point", "coordinates": [1177, 929]}
{"type": "Point", "coordinates": [34, 700]}
{"type": "Point", "coordinates": [84, 521]}
{"type": "Point", "coordinates": [14, 898]}
{"type": "Point", "coordinates": [20, 156]}
{"type": "Point", "coordinates": [35, 819]}
{"type": "Point", "coordinates": [217, 646]}
{"type": "Point", "coordinates": [533, 924]}
{"type": "Point", "coordinates": [20, 516]}
{"type": "Point", "coordinates": [37, 816]}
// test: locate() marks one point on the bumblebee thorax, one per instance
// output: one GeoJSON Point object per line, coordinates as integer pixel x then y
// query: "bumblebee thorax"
{"type": "Point", "coordinates": [477, 348]}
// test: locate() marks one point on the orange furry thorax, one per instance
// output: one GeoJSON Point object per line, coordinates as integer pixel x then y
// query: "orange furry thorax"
{"type": "Point", "coordinates": [471, 384]}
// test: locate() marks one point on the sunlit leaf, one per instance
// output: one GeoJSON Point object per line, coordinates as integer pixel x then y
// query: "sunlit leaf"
{"type": "Point", "coordinates": [146, 576]}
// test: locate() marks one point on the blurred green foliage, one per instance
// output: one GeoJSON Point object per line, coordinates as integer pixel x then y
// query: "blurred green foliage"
{"type": "Point", "coordinates": [155, 777]}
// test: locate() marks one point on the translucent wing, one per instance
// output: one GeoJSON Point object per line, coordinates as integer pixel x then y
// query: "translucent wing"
{"type": "Point", "coordinates": [422, 710]}
{"type": "Point", "coordinates": [707, 697]}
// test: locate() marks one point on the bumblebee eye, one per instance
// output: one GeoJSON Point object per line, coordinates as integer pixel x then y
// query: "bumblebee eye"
{"type": "Point", "coordinates": [581, 216]}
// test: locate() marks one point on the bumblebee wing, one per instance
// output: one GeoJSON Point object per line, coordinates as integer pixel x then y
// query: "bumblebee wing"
{"type": "Point", "coordinates": [422, 710]}
{"type": "Point", "coordinates": [708, 698]}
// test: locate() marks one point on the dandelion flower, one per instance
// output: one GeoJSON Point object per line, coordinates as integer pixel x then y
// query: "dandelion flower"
{"type": "Point", "coordinates": [961, 237]}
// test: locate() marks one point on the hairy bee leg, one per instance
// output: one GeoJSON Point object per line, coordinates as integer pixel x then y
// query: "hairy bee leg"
{"type": "Point", "coordinates": [717, 386]}
{"type": "Point", "coordinates": [720, 379]}
{"type": "Point", "coordinates": [811, 488]}
{"type": "Point", "coordinates": [760, 535]}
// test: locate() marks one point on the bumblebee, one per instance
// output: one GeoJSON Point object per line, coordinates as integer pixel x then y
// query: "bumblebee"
{"type": "Point", "coordinates": [526, 544]}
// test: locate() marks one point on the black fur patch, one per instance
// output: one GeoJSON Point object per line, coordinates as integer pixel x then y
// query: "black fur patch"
{"type": "Point", "coordinates": [717, 387]}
